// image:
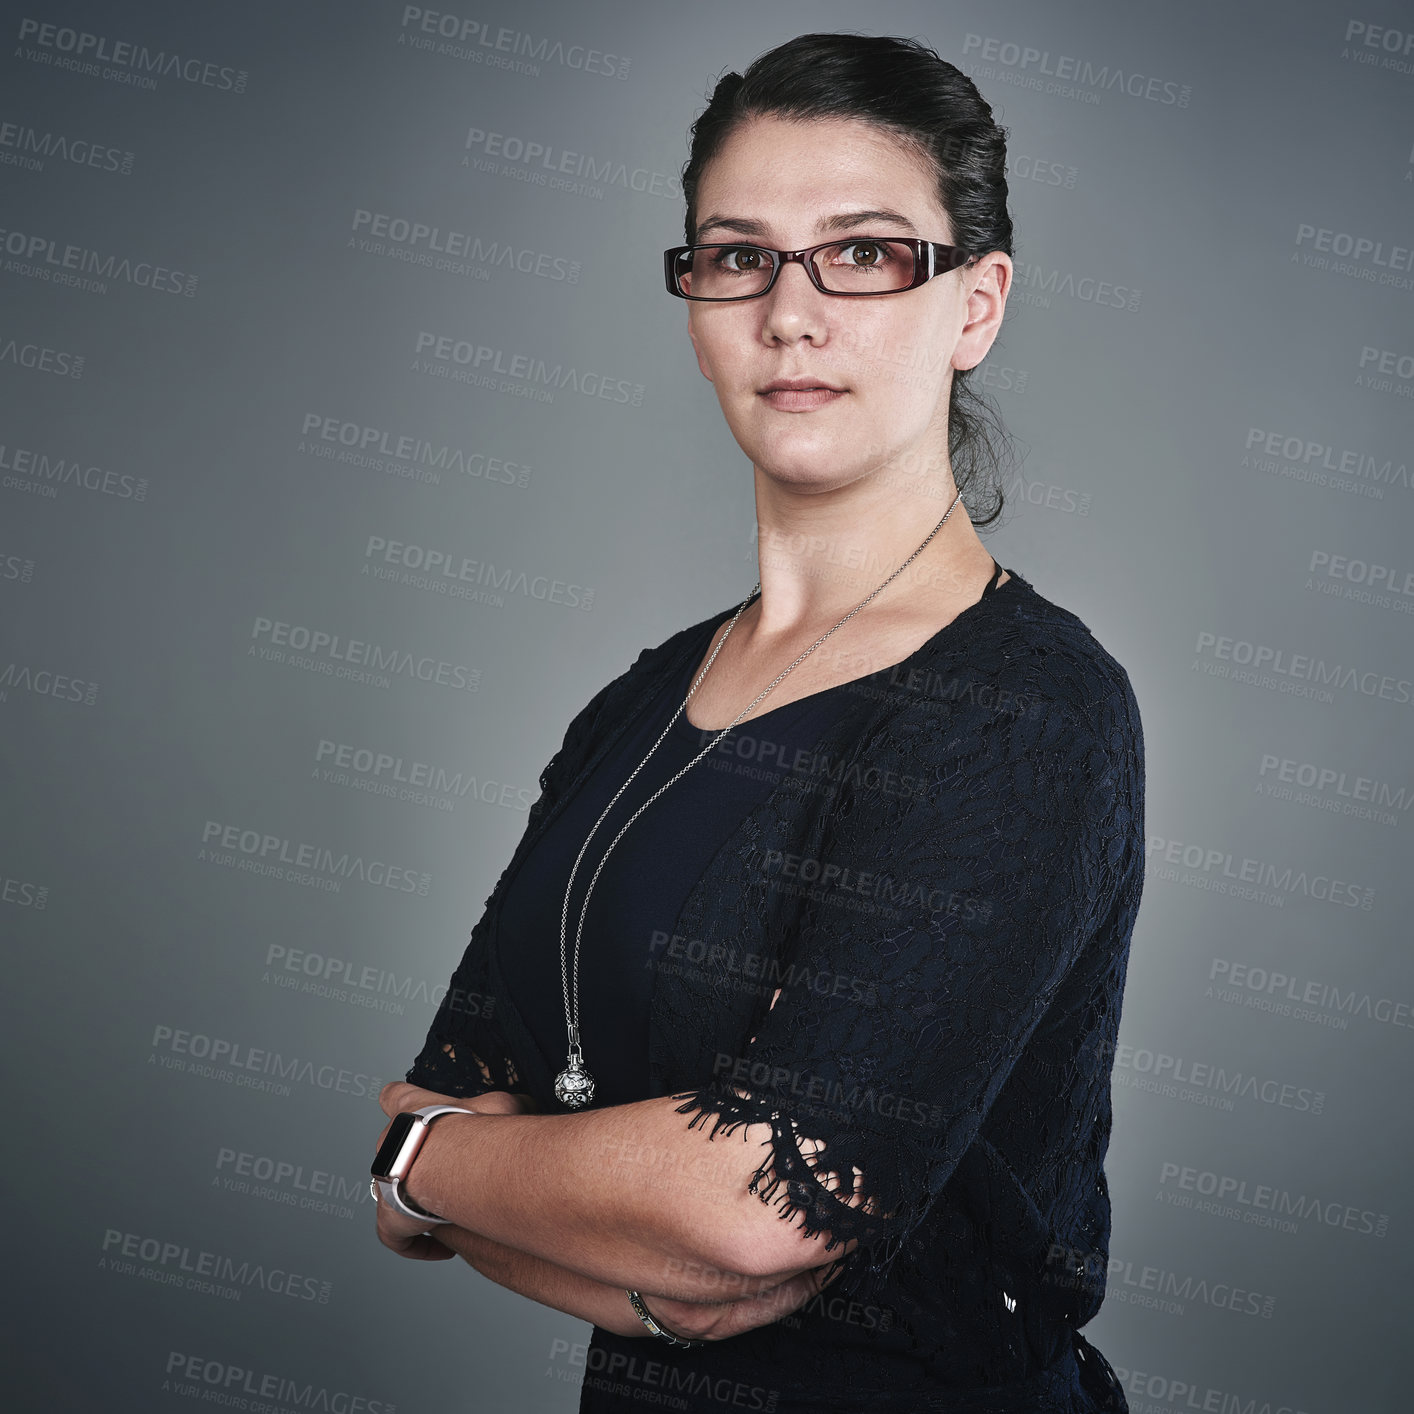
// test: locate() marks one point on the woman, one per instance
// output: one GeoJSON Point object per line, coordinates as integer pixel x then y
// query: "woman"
{"type": "Point", "coordinates": [876, 932]}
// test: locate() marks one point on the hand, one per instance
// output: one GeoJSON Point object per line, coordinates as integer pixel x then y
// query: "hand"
{"type": "Point", "coordinates": [397, 1096]}
{"type": "Point", "coordinates": [410, 1237]}
{"type": "Point", "coordinates": [720, 1320]}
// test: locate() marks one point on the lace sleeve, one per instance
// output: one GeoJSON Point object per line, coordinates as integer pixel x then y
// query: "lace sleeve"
{"type": "Point", "coordinates": [464, 1053]}
{"type": "Point", "coordinates": [934, 936]}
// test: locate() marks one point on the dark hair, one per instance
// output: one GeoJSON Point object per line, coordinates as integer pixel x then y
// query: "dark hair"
{"type": "Point", "coordinates": [903, 86]}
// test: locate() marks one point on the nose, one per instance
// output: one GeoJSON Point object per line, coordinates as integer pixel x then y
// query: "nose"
{"type": "Point", "coordinates": [794, 309]}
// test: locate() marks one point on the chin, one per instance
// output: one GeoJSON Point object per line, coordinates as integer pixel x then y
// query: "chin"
{"type": "Point", "coordinates": [806, 470]}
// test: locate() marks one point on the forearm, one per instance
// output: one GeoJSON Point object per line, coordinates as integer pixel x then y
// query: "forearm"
{"type": "Point", "coordinates": [546, 1282]}
{"type": "Point", "coordinates": [608, 1306]}
{"type": "Point", "coordinates": [626, 1195]}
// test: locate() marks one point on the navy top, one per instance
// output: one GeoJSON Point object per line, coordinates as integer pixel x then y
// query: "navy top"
{"type": "Point", "coordinates": [944, 894]}
{"type": "Point", "coordinates": [629, 927]}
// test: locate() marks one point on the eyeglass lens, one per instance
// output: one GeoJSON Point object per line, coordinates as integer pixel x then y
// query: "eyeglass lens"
{"type": "Point", "coordinates": [847, 267]}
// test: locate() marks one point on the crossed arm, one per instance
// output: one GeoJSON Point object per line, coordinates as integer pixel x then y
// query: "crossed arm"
{"type": "Point", "coordinates": [573, 1210]}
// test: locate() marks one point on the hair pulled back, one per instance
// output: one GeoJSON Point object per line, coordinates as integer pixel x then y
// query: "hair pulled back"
{"type": "Point", "coordinates": [906, 88]}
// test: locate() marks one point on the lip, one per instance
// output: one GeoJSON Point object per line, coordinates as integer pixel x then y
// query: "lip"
{"type": "Point", "coordinates": [797, 385]}
{"type": "Point", "coordinates": [799, 394]}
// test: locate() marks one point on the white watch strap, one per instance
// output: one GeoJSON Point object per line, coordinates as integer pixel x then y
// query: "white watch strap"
{"type": "Point", "coordinates": [387, 1192]}
{"type": "Point", "coordinates": [387, 1189]}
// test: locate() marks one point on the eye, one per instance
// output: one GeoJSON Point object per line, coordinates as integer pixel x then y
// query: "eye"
{"type": "Point", "coordinates": [866, 264]}
{"type": "Point", "coordinates": [863, 254]}
{"type": "Point", "coordinates": [745, 259]}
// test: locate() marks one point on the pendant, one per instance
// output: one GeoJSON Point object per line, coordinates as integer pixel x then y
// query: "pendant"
{"type": "Point", "coordinates": [574, 1086]}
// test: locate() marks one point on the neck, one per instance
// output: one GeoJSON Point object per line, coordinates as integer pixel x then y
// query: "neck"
{"type": "Point", "coordinates": [821, 552]}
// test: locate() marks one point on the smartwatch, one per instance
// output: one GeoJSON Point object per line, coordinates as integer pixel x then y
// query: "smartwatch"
{"type": "Point", "coordinates": [406, 1135]}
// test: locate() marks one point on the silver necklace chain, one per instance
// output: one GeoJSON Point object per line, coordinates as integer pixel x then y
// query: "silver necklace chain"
{"type": "Point", "coordinates": [574, 1086]}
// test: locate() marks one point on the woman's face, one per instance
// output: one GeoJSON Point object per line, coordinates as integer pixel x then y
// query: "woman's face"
{"type": "Point", "coordinates": [889, 358]}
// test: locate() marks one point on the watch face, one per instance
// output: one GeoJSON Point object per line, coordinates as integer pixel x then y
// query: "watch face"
{"type": "Point", "coordinates": [388, 1150]}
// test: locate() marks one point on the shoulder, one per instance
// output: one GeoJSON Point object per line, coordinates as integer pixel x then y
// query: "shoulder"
{"type": "Point", "coordinates": [655, 661]}
{"type": "Point", "coordinates": [660, 656]}
{"type": "Point", "coordinates": [1014, 738]}
{"type": "Point", "coordinates": [1028, 657]}
{"type": "Point", "coordinates": [616, 697]}
{"type": "Point", "coordinates": [1025, 708]}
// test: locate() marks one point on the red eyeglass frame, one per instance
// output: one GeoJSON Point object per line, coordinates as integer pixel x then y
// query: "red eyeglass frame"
{"type": "Point", "coordinates": [940, 260]}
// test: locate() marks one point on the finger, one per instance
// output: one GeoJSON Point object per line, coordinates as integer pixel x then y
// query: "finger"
{"type": "Point", "coordinates": [392, 1224]}
{"type": "Point", "coordinates": [770, 1306]}
{"type": "Point", "coordinates": [398, 1095]}
{"type": "Point", "coordinates": [422, 1248]}
{"type": "Point", "coordinates": [397, 1232]}
{"type": "Point", "coordinates": [493, 1102]}
{"type": "Point", "coordinates": [693, 1320]}
{"type": "Point", "coordinates": [390, 1095]}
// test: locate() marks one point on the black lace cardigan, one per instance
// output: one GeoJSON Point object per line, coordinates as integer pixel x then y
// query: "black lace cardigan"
{"type": "Point", "coordinates": [946, 895]}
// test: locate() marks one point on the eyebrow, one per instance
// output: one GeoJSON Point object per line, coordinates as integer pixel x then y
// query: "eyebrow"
{"type": "Point", "coordinates": [846, 221]}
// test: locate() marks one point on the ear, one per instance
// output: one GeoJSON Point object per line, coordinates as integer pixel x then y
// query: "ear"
{"type": "Point", "coordinates": [697, 349]}
{"type": "Point", "coordinates": [985, 307]}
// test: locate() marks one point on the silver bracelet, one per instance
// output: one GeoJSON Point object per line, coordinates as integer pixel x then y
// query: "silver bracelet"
{"type": "Point", "coordinates": [643, 1315]}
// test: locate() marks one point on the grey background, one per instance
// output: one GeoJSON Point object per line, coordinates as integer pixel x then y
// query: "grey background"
{"type": "Point", "coordinates": [1189, 457]}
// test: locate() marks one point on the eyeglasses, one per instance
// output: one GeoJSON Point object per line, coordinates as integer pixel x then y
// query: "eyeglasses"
{"type": "Point", "coordinates": [864, 265]}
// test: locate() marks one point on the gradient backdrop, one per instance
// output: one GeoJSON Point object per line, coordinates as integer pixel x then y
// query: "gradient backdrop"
{"type": "Point", "coordinates": [349, 443]}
